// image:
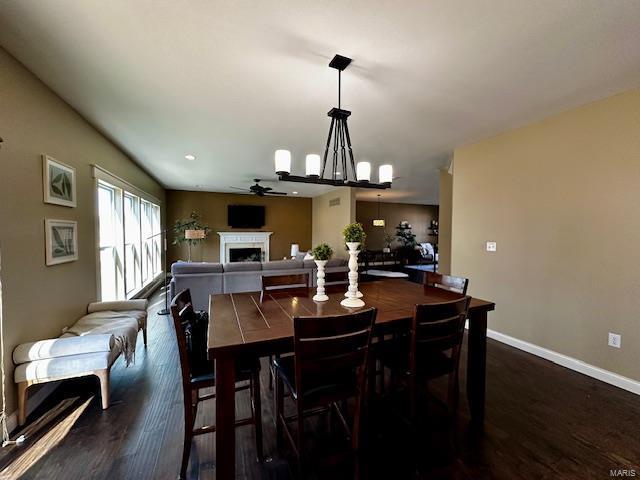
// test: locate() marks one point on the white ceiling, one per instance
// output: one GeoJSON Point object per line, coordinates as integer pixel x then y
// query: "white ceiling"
{"type": "Point", "coordinates": [231, 81]}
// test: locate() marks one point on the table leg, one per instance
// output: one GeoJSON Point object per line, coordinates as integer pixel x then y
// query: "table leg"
{"type": "Point", "coordinates": [476, 365]}
{"type": "Point", "coordinates": [225, 417]}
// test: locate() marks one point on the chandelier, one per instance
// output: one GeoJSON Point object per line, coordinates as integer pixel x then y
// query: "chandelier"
{"type": "Point", "coordinates": [338, 166]}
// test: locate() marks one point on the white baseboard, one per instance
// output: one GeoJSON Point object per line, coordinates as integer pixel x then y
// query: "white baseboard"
{"type": "Point", "coordinates": [34, 402]}
{"type": "Point", "coordinates": [571, 363]}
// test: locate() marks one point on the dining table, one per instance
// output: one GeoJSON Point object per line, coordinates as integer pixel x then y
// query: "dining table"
{"type": "Point", "coordinates": [240, 325]}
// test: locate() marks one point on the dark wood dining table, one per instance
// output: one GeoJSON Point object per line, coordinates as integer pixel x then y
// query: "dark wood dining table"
{"type": "Point", "coordinates": [241, 325]}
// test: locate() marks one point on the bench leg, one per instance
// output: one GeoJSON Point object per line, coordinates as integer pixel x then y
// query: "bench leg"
{"type": "Point", "coordinates": [103, 376]}
{"type": "Point", "coordinates": [22, 402]}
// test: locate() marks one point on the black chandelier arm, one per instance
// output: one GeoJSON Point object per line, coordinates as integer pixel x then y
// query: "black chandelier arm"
{"type": "Point", "coordinates": [328, 181]}
{"type": "Point", "coordinates": [326, 149]}
{"type": "Point", "coordinates": [335, 132]}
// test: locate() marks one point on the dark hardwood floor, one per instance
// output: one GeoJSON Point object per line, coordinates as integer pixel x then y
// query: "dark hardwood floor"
{"type": "Point", "coordinates": [542, 422]}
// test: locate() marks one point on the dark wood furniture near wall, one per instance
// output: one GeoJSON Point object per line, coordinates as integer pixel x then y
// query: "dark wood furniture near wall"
{"type": "Point", "coordinates": [247, 371]}
{"type": "Point", "coordinates": [431, 350]}
{"type": "Point", "coordinates": [328, 367]}
{"type": "Point", "coordinates": [336, 278]}
{"type": "Point", "coordinates": [446, 282]}
{"type": "Point", "coordinates": [241, 325]}
{"type": "Point", "coordinates": [296, 284]}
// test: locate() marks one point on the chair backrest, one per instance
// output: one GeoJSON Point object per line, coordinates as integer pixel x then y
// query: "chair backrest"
{"type": "Point", "coordinates": [182, 311]}
{"type": "Point", "coordinates": [295, 284]}
{"type": "Point", "coordinates": [331, 352]}
{"type": "Point", "coordinates": [446, 282]}
{"type": "Point", "coordinates": [438, 327]}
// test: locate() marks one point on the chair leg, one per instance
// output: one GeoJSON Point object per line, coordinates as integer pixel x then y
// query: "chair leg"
{"type": "Point", "coordinates": [453, 394]}
{"type": "Point", "coordinates": [22, 402]}
{"type": "Point", "coordinates": [186, 446]}
{"type": "Point", "coordinates": [279, 401]}
{"type": "Point", "coordinates": [300, 442]}
{"type": "Point", "coordinates": [412, 396]}
{"type": "Point", "coordinates": [257, 413]}
{"type": "Point", "coordinates": [103, 375]}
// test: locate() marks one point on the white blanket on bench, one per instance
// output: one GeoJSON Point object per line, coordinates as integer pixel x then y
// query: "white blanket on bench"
{"type": "Point", "coordinates": [123, 328]}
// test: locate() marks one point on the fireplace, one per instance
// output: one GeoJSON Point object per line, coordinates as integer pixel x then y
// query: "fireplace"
{"type": "Point", "coordinates": [248, 245]}
{"type": "Point", "coordinates": [250, 254]}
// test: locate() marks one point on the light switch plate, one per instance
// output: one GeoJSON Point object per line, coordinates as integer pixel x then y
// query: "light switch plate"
{"type": "Point", "coordinates": [491, 246]}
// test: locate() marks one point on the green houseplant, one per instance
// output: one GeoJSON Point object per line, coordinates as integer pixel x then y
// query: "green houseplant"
{"type": "Point", "coordinates": [192, 223]}
{"type": "Point", "coordinates": [322, 252]}
{"type": "Point", "coordinates": [354, 233]}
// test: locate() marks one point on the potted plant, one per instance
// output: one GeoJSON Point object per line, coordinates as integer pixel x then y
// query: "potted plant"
{"type": "Point", "coordinates": [388, 238]}
{"type": "Point", "coordinates": [407, 239]}
{"type": "Point", "coordinates": [190, 231]}
{"type": "Point", "coordinates": [354, 236]}
{"type": "Point", "coordinates": [321, 255]}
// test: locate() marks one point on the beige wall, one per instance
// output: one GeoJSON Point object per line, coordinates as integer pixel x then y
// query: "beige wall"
{"type": "Point", "coordinates": [562, 199]}
{"type": "Point", "coordinates": [444, 239]}
{"type": "Point", "coordinates": [419, 216]}
{"type": "Point", "coordinates": [289, 218]}
{"type": "Point", "coordinates": [39, 300]}
{"type": "Point", "coordinates": [329, 221]}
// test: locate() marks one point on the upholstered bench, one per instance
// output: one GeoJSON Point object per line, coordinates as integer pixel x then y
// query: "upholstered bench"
{"type": "Point", "coordinates": [89, 347]}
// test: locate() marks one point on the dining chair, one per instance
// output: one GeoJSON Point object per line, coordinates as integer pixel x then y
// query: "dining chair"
{"type": "Point", "coordinates": [431, 350]}
{"type": "Point", "coordinates": [446, 282]}
{"type": "Point", "coordinates": [327, 368]}
{"type": "Point", "coordinates": [294, 284]}
{"type": "Point", "coordinates": [195, 379]}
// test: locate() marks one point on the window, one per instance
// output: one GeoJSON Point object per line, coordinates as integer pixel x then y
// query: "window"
{"type": "Point", "coordinates": [129, 244]}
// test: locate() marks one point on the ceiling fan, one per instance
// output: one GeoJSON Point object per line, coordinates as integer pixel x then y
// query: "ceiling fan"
{"type": "Point", "coordinates": [259, 190]}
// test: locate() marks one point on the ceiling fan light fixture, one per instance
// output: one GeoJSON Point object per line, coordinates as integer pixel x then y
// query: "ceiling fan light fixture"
{"type": "Point", "coordinates": [283, 162]}
{"type": "Point", "coordinates": [313, 165]}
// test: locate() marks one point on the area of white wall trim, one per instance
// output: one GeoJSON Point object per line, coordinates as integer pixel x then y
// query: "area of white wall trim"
{"type": "Point", "coordinates": [571, 363]}
{"type": "Point", "coordinates": [34, 402]}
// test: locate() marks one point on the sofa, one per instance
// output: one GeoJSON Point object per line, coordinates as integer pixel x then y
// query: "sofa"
{"type": "Point", "coordinates": [89, 347]}
{"type": "Point", "coordinates": [204, 279]}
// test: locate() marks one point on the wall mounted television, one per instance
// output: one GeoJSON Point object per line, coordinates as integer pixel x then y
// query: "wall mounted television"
{"type": "Point", "coordinates": [245, 216]}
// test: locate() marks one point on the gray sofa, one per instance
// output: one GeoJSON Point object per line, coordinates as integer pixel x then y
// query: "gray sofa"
{"type": "Point", "coordinates": [203, 279]}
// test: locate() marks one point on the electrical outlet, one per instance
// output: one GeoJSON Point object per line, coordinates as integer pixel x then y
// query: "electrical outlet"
{"type": "Point", "coordinates": [491, 246]}
{"type": "Point", "coordinates": [615, 340]}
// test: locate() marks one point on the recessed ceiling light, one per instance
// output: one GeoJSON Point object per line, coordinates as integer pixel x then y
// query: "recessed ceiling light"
{"type": "Point", "coordinates": [338, 173]}
{"type": "Point", "coordinates": [295, 193]}
{"type": "Point", "coordinates": [189, 156]}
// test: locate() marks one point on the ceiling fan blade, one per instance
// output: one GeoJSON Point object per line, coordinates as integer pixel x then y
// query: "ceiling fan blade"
{"type": "Point", "coordinates": [276, 193]}
{"type": "Point", "coordinates": [243, 189]}
{"type": "Point", "coordinates": [266, 189]}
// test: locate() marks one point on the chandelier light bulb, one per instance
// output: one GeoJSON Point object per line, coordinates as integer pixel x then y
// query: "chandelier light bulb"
{"type": "Point", "coordinates": [283, 162]}
{"type": "Point", "coordinates": [363, 171]}
{"type": "Point", "coordinates": [385, 174]}
{"type": "Point", "coordinates": [313, 165]}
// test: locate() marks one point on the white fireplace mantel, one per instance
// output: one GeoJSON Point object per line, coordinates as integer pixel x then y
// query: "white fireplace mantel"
{"type": "Point", "coordinates": [230, 240]}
